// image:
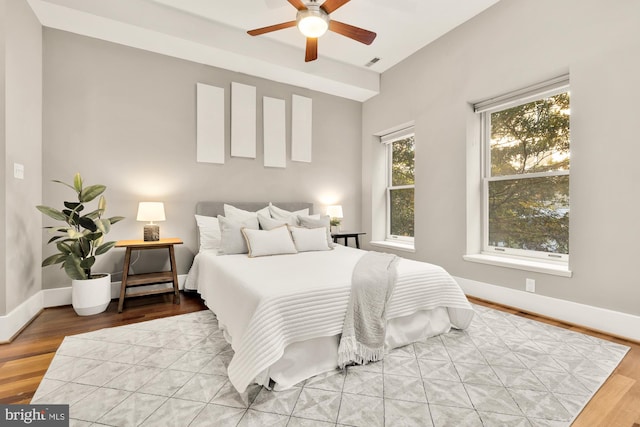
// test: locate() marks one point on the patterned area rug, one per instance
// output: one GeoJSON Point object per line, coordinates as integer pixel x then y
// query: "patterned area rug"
{"type": "Point", "coordinates": [503, 371]}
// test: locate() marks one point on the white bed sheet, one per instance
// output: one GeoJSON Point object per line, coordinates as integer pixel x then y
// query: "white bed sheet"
{"type": "Point", "coordinates": [266, 304]}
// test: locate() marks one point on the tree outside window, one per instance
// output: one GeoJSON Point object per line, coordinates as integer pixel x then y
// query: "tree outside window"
{"type": "Point", "coordinates": [527, 178]}
{"type": "Point", "coordinates": [401, 188]}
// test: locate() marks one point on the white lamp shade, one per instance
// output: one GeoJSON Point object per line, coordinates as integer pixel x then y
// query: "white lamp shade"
{"type": "Point", "coordinates": [335, 211]}
{"type": "Point", "coordinates": [151, 211]}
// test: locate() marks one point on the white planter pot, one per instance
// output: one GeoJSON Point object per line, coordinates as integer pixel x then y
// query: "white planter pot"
{"type": "Point", "coordinates": [91, 296]}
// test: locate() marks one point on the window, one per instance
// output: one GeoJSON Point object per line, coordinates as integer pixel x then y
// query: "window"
{"type": "Point", "coordinates": [526, 150]}
{"type": "Point", "coordinates": [400, 185]}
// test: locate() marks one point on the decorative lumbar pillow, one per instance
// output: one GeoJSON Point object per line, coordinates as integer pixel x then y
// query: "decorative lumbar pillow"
{"type": "Point", "coordinates": [232, 241]}
{"type": "Point", "coordinates": [269, 242]}
{"type": "Point", "coordinates": [209, 232]}
{"type": "Point", "coordinates": [237, 214]}
{"type": "Point", "coordinates": [310, 239]}
{"type": "Point", "coordinates": [268, 223]}
{"type": "Point", "coordinates": [323, 221]}
{"type": "Point", "coordinates": [284, 215]}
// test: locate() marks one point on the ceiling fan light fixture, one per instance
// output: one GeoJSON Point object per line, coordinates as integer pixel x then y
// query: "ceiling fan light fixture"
{"type": "Point", "coordinates": [312, 22]}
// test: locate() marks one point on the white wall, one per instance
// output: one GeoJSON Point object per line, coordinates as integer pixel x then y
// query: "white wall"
{"type": "Point", "coordinates": [126, 118]}
{"type": "Point", "coordinates": [512, 45]}
{"type": "Point", "coordinates": [21, 251]}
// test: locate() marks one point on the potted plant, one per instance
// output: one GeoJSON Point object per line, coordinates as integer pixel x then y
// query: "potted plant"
{"type": "Point", "coordinates": [79, 242]}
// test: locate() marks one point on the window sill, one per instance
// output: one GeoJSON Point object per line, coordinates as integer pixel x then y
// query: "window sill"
{"type": "Point", "coordinates": [406, 247]}
{"type": "Point", "coordinates": [521, 264]}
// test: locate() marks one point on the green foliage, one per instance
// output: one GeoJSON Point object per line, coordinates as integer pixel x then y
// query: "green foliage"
{"type": "Point", "coordinates": [403, 162]}
{"type": "Point", "coordinates": [81, 239]}
{"type": "Point", "coordinates": [532, 213]}
{"type": "Point", "coordinates": [402, 212]}
{"type": "Point", "coordinates": [402, 199]}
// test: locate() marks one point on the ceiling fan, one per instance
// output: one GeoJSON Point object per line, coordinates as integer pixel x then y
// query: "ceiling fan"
{"type": "Point", "coordinates": [313, 21]}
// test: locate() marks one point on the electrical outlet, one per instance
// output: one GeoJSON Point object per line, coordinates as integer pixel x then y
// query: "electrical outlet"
{"type": "Point", "coordinates": [531, 285]}
{"type": "Point", "coordinates": [18, 171]}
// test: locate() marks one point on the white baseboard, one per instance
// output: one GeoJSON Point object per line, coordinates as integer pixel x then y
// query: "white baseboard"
{"type": "Point", "coordinates": [601, 319]}
{"type": "Point", "coordinates": [20, 316]}
{"type": "Point", "coordinates": [14, 321]}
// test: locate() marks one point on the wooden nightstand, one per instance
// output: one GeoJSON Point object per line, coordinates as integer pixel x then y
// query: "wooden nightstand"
{"type": "Point", "coordinates": [345, 235]}
{"type": "Point", "coordinates": [131, 280]}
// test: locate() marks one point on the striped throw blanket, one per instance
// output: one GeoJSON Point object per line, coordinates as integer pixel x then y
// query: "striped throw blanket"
{"type": "Point", "coordinates": [363, 332]}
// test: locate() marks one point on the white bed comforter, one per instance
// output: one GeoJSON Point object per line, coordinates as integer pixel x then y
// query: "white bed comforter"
{"type": "Point", "coordinates": [264, 304]}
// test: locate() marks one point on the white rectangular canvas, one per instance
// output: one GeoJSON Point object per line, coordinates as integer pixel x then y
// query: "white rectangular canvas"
{"type": "Point", "coordinates": [243, 120]}
{"type": "Point", "coordinates": [275, 134]}
{"type": "Point", "coordinates": [301, 129]}
{"type": "Point", "coordinates": [209, 124]}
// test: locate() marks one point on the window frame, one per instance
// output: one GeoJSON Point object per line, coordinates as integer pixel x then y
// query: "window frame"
{"type": "Point", "coordinates": [484, 110]}
{"type": "Point", "coordinates": [388, 141]}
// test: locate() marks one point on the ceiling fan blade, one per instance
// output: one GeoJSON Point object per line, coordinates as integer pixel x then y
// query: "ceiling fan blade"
{"type": "Point", "coordinates": [271, 28]}
{"type": "Point", "coordinates": [331, 5]}
{"type": "Point", "coordinates": [298, 4]}
{"type": "Point", "coordinates": [355, 33]}
{"type": "Point", "coordinates": [311, 53]}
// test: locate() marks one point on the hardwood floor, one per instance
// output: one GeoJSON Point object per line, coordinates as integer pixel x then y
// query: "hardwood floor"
{"type": "Point", "coordinates": [24, 362]}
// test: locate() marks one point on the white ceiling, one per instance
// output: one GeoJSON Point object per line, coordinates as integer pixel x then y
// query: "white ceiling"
{"type": "Point", "coordinates": [214, 32]}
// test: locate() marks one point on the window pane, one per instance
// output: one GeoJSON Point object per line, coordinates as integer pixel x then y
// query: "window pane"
{"type": "Point", "coordinates": [402, 162]}
{"type": "Point", "coordinates": [402, 212]}
{"type": "Point", "coordinates": [532, 137]}
{"type": "Point", "coordinates": [530, 214]}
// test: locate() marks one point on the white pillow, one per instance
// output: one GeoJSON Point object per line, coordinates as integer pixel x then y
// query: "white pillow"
{"type": "Point", "coordinates": [323, 221]}
{"type": "Point", "coordinates": [283, 215]}
{"type": "Point", "coordinates": [209, 230]}
{"type": "Point", "coordinates": [237, 214]}
{"type": "Point", "coordinates": [268, 223]}
{"type": "Point", "coordinates": [269, 242]}
{"type": "Point", "coordinates": [310, 239]}
{"type": "Point", "coordinates": [232, 241]}
{"type": "Point", "coordinates": [314, 216]}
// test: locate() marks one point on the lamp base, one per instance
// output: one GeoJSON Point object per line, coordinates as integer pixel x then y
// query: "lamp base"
{"type": "Point", "coordinates": [151, 233]}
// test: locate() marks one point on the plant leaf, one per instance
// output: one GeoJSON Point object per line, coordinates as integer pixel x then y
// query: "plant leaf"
{"type": "Point", "coordinates": [93, 237]}
{"type": "Point", "coordinates": [91, 192]}
{"type": "Point", "coordinates": [73, 234]}
{"type": "Point", "coordinates": [93, 214]}
{"type": "Point", "coordinates": [72, 216]}
{"type": "Point", "coordinates": [54, 238]}
{"type": "Point", "coordinates": [64, 248]}
{"type": "Point", "coordinates": [88, 223]}
{"type": "Point", "coordinates": [53, 213]}
{"type": "Point", "coordinates": [103, 225]}
{"type": "Point", "coordinates": [64, 183]}
{"type": "Point", "coordinates": [74, 206]}
{"type": "Point", "coordinates": [73, 269]}
{"type": "Point", "coordinates": [54, 259]}
{"type": "Point", "coordinates": [87, 263]}
{"type": "Point", "coordinates": [102, 204]}
{"type": "Point", "coordinates": [104, 247]}
{"type": "Point", "coordinates": [77, 182]}
{"type": "Point", "coordinates": [115, 219]}
{"type": "Point", "coordinates": [85, 247]}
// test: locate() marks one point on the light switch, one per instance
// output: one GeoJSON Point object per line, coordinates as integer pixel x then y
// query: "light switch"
{"type": "Point", "coordinates": [18, 171]}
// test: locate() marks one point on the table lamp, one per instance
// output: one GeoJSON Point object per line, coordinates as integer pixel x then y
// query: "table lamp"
{"type": "Point", "coordinates": [151, 211]}
{"type": "Point", "coordinates": [335, 213]}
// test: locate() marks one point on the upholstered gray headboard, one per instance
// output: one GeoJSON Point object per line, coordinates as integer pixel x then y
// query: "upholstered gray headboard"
{"type": "Point", "coordinates": [217, 208]}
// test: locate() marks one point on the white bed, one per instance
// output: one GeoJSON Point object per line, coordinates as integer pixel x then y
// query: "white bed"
{"type": "Point", "coordinates": [283, 314]}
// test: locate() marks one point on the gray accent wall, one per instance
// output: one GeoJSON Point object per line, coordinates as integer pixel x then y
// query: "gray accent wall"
{"type": "Point", "coordinates": [512, 45]}
{"type": "Point", "coordinates": [126, 118]}
{"type": "Point", "coordinates": [21, 142]}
